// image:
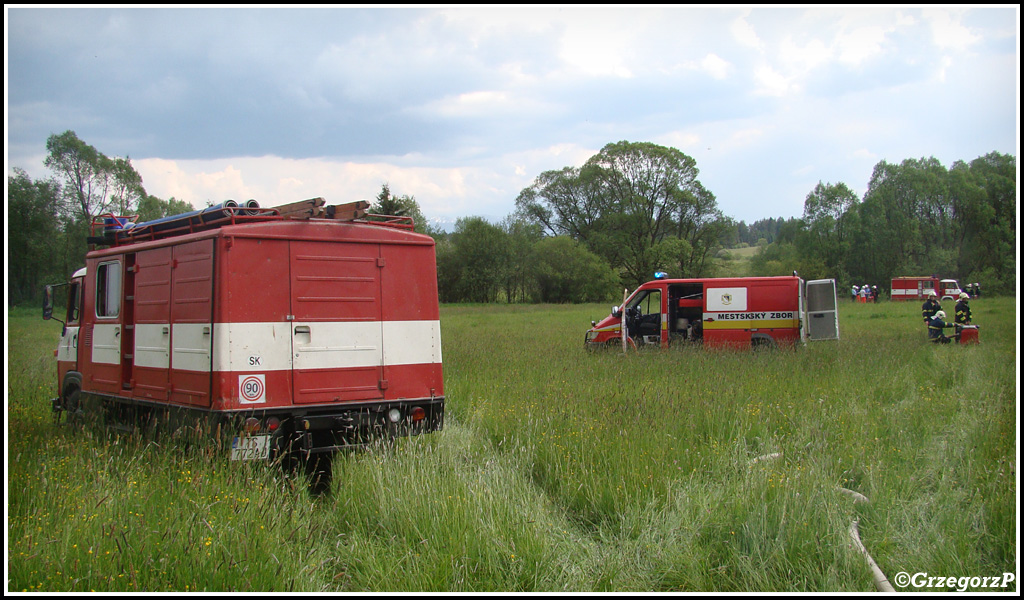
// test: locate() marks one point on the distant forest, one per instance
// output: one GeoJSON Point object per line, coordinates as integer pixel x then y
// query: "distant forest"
{"type": "Point", "coordinates": [581, 234]}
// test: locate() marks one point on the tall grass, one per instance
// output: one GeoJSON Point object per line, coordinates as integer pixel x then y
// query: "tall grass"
{"type": "Point", "coordinates": [560, 470]}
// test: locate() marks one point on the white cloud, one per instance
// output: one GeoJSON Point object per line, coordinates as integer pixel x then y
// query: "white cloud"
{"type": "Point", "coordinates": [597, 49]}
{"type": "Point", "coordinates": [855, 47]}
{"type": "Point", "coordinates": [947, 32]}
{"type": "Point", "coordinates": [272, 181]}
{"type": "Point", "coordinates": [771, 82]}
{"type": "Point", "coordinates": [863, 154]}
{"type": "Point", "coordinates": [743, 33]}
{"type": "Point", "coordinates": [799, 59]}
{"type": "Point", "coordinates": [481, 104]}
{"type": "Point", "coordinates": [746, 137]}
{"type": "Point", "coordinates": [681, 140]}
{"type": "Point", "coordinates": [716, 66]}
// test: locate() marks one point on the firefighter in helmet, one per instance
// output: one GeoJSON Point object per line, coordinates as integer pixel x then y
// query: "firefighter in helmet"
{"type": "Point", "coordinates": [935, 326]}
{"type": "Point", "coordinates": [962, 314]}
{"type": "Point", "coordinates": [930, 306]}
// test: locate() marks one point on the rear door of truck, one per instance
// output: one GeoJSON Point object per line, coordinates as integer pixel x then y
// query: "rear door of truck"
{"type": "Point", "coordinates": [337, 335]}
{"type": "Point", "coordinates": [822, 316]}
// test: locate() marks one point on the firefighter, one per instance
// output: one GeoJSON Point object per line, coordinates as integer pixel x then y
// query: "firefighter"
{"type": "Point", "coordinates": [930, 307]}
{"type": "Point", "coordinates": [962, 314]}
{"type": "Point", "coordinates": [935, 326]}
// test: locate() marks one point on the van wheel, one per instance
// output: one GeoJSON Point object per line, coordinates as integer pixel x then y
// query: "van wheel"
{"type": "Point", "coordinates": [616, 344]}
{"type": "Point", "coordinates": [761, 343]}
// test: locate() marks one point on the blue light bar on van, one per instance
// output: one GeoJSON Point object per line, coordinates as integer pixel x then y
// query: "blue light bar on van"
{"type": "Point", "coordinates": [660, 275]}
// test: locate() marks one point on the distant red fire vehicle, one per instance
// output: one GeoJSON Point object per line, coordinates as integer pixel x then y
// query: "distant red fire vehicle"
{"type": "Point", "coordinates": [918, 288]}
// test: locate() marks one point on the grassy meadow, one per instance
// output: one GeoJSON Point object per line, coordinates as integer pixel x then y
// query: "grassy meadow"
{"type": "Point", "coordinates": [560, 470]}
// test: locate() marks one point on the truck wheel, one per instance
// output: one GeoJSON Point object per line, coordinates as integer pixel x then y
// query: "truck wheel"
{"type": "Point", "coordinates": [290, 456]}
{"type": "Point", "coordinates": [318, 470]}
{"type": "Point", "coordinates": [72, 405]}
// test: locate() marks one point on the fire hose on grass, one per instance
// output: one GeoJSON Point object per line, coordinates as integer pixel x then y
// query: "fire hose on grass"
{"type": "Point", "coordinates": [878, 577]}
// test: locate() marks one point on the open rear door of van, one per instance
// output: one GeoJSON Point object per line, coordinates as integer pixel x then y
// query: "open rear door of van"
{"type": "Point", "coordinates": [822, 316]}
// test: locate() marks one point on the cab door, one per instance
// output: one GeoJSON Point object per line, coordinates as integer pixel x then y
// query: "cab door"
{"type": "Point", "coordinates": [67, 348]}
{"type": "Point", "coordinates": [102, 336]}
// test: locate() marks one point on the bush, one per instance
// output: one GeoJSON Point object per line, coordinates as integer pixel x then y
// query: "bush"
{"type": "Point", "coordinates": [565, 271]}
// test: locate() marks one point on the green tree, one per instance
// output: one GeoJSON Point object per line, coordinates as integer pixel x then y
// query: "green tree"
{"type": "Point", "coordinates": [449, 270]}
{"type": "Point", "coordinates": [93, 183]}
{"type": "Point", "coordinates": [623, 202]}
{"type": "Point", "coordinates": [400, 206]}
{"type": "Point", "coordinates": [704, 228]}
{"type": "Point", "coordinates": [34, 236]}
{"type": "Point", "coordinates": [776, 258]}
{"type": "Point", "coordinates": [126, 189]}
{"type": "Point", "coordinates": [565, 271]}
{"type": "Point", "coordinates": [990, 237]}
{"type": "Point", "coordinates": [151, 208]}
{"type": "Point", "coordinates": [471, 262]}
{"type": "Point", "coordinates": [518, 283]}
{"type": "Point", "coordinates": [824, 238]}
{"type": "Point", "coordinates": [917, 217]}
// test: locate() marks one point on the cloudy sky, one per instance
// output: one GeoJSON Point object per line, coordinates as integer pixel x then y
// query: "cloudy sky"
{"type": "Point", "coordinates": [464, 107]}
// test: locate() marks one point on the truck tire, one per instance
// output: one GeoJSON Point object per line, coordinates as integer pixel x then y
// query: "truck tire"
{"type": "Point", "coordinates": [71, 402]}
{"type": "Point", "coordinates": [319, 473]}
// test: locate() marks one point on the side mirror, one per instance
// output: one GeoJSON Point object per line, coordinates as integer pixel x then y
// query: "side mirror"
{"type": "Point", "coordinates": [616, 312]}
{"type": "Point", "coordinates": [47, 302]}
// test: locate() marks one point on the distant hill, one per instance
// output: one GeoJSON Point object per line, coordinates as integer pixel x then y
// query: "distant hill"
{"type": "Point", "coordinates": [735, 262]}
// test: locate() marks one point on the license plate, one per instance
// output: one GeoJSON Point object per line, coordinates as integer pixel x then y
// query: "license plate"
{"type": "Point", "coordinates": [252, 447]}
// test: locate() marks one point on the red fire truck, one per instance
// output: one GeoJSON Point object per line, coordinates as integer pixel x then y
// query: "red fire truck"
{"type": "Point", "coordinates": [294, 331]}
{"type": "Point", "coordinates": [740, 312]}
{"type": "Point", "coordinates": [918, 288]}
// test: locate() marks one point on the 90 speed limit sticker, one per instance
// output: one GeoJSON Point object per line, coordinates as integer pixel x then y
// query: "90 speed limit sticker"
{"type": "Point", "coordinates": [252, 389]}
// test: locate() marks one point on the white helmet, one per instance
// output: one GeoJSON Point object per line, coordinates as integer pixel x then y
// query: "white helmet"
{"type": "Point", "coordinates": [964, 296]}
{"type": "Point", "coordinates": [941, 314]}
{"type": "Point", "coordinates": [932, 293]}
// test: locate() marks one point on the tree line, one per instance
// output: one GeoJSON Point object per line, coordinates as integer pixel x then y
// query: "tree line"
{"type": "Point", "coordinates": [48, 220]}
{"type": "Point", "coordinates": [917, 217]}
{"type": "Point", "coordinates": [581, 234]}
